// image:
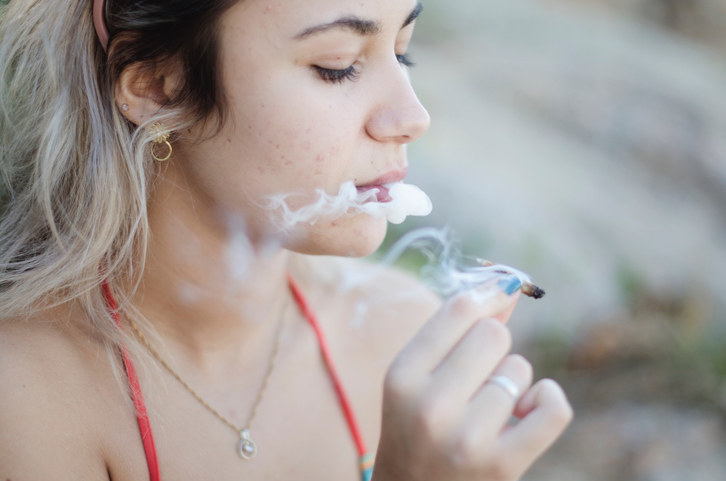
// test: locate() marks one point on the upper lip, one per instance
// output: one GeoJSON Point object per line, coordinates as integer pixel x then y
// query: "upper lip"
{"type": "Point", "coordinates": [396, 175]}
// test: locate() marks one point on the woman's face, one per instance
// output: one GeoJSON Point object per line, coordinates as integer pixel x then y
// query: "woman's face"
{"type": "Point", "coordinates": [318, 94]}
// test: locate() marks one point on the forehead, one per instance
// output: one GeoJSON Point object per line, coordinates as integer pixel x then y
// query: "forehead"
{"type": "Point", "coordinates": [291, 17]}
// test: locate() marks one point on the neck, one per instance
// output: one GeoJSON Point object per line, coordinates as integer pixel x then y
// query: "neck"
{"type": "Point", "coordinates": [214, 298]}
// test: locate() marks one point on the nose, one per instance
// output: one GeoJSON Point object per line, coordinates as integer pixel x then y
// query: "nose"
{"type": "Point", "coordinates": [400, 117]}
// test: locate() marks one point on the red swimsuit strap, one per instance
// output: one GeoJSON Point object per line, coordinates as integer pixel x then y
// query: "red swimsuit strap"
{"type": "Point", "coordinates": [342, 395]}
{"type": "Point", "coordinates": [142, 416]}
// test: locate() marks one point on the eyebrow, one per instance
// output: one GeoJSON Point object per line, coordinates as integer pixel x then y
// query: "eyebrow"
{"type": "Point", "coordinates": [356, 24]}
{"type": "Point", "coordinates": [414, 14]}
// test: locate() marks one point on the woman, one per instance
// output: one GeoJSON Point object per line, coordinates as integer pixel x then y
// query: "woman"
{"type": "Point", "coordinates": [157, 315]}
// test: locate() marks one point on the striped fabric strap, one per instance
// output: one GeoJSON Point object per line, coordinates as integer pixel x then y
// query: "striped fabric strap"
{"type": "Point", "coordinates": [366, 466]}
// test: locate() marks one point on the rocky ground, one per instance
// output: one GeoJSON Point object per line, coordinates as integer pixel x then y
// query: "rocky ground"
{"type": "Point", "coordinates": [583, 141]}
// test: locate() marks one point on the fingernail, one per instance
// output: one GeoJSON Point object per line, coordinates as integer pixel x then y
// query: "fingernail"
{"type": "Point", "coordinates": [510, 284]}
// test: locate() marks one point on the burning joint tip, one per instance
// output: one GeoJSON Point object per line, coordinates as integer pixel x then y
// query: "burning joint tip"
{"type": "Point", "coordinates": [531, 290]}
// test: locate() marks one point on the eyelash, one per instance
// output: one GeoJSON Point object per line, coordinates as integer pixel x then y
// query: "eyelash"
{"type": "Point", "coordinates": [350, 73]}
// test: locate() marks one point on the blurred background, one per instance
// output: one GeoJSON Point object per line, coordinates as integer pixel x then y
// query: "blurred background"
{"type": "Point", "coordinates": [584, 142]}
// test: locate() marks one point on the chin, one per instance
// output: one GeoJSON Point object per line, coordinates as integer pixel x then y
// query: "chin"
{"type": "Point", "coordinates": [357, 236]}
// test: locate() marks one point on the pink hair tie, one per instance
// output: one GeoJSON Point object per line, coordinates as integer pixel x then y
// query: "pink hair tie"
{"type": "Point", "coordinates": [99, 23]}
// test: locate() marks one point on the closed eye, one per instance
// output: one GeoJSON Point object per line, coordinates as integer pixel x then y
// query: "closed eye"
{"type": "Point", "coordinates": [351, 73]}
{"type": "Point", "coordinates": [336, 76]}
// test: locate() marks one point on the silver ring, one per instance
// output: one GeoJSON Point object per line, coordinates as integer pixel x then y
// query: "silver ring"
{"type": "Point", "coordinates": [505, 383]}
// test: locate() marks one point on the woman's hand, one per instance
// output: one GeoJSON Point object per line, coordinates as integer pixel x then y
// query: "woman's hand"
{"type": "Point", "coordinates": [443, 419]}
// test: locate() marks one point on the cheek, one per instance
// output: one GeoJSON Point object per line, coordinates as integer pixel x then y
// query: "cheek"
{"type": "Point", "coordinates": [288, 139]}
{"type": "Point", "coordinates": [300, 147]}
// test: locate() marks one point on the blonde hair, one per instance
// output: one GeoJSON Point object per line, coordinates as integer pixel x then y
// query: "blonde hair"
{"type": "Point", "coordinates": [74, 188]}
{"type": "Point", "coordinates": [75, 173]}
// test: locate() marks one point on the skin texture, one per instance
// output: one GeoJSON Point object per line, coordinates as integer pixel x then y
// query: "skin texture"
{"type": "Point", "coordinates": [288, 131]}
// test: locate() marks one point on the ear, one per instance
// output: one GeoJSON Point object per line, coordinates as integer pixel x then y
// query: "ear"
{"type": "Point", "coordinates": [144, 90]}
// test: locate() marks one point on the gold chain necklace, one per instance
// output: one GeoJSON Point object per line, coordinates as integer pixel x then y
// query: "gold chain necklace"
{"type": "Point", "coordinates": [246, 447]}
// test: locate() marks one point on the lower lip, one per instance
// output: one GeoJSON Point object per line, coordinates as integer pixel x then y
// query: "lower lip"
{"type": "Point", "coordinates": [381, 196]}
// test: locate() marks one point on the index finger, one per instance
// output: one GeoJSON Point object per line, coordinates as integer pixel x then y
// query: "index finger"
{"type": "Point", "coordinates": [459, 313]}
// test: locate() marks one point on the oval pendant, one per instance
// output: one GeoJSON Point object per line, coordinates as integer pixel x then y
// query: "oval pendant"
{"type": "Point", "coordinates": [246, 448]}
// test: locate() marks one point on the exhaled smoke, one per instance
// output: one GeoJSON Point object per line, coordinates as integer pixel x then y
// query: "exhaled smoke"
{"type": "Point", "coordinates": [405, 200]}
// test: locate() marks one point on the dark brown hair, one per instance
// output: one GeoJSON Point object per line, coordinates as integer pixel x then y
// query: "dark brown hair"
{"type": "Point", "coordinates": [180, 31]}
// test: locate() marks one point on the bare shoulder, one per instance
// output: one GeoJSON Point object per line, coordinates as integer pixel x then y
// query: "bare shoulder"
{"type": "Point", "coordinates": [43, 434]}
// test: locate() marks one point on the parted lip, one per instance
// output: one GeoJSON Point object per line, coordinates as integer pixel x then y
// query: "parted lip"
{"type": "Point", "coordinates": [390, 177]}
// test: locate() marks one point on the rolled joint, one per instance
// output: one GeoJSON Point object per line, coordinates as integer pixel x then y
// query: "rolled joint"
{"type": "Point", "coordinates": [528, 287]}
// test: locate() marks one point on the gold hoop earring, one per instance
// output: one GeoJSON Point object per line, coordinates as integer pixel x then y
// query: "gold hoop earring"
{"type": "Point", "coordinates": [160, 139]}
